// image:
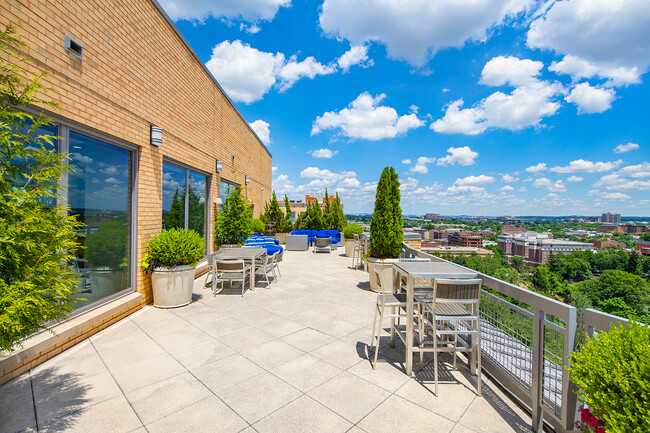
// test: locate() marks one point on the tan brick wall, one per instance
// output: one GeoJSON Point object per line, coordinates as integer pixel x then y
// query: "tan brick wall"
{"type": "Point", "coordinates": [137, 71]}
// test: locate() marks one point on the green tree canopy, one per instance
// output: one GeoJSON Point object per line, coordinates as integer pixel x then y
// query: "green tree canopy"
{"type": "Point", "coordinates": [233, 224]}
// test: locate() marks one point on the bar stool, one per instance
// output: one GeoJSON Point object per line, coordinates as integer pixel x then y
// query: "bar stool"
{"type": "Point", "coordinates": [357, 252]}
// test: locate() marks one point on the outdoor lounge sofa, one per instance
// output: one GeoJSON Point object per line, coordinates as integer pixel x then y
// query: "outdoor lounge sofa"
{"type": "Point", "coordinates": [313, 234]}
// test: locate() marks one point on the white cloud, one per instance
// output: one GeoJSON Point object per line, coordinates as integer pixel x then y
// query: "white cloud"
{"type": "Point", "coordinates": [421, 165]}
{"type": "Point", "coordinates": [581, 165]}
{"type": "Point", "coordinates": [506, 188]}
{"type": "Point", "coordinates": [622, 148]}
{"type": "Point", "coordinates": [82, 159]}
{"type": "Point", "coordinates": [252, 29]}
{"type": "Point", "coordinates": [112, 180]}
{"type": "Point", "coordinates": [474, 180]}
{"type": "Point", "coordinates": [414, 31]}
{"type": "Point", "coordinates": [200, 10]}
{"type": "Point", "coordinates": [615, 196]}
{"type": "Point", "coordinates": [627, 178]}
{"type": "Point", "coordinates": [608, 38]}
{"type": "Point", "coordinates": [247, 74]}
{"type": "Point", "coordinates": [365, 118]}
{"type": "Point", "coordinates": [457, 189]}
{"type": "Point", "coordinates": [445, 90]}
{"type": "Point", "coordinates": [523, 189]}
{"type": "Point", "coordinates": [350, 182]}
{"type": "Point", "coordinates": [458, 155]}
{"type": "Point", "coordinates": [262, 130]}
{"type": "Point", "coordinates": [406, 161]}
{"type": "Point", "coordinates": [325, 174]}
{"type": "Point", "coordinates": [591, 99]}
{"type": "Point", "coordinates": [282, 184]}
{"type": "Point", "coordinates": [531, 100]}
{"type": "Point", "coordinates": [575, 179]}
{"type": "Point", "coordinates": [537, 168]}
{"type": "Point", "coordinates": [324, 153]}
{"type": "Point", "coordinates": [356, 55]}
{"type": "Point", "coordinates": [543, 182]}
{"type": "Point", "coordinates": [408, 184]}
{"type": "Point", "coordinates": [579, 68]}
{"type": "Point", "coordinates": [507, 178]}
{"type": "Point", "coordinates": [274, 169]}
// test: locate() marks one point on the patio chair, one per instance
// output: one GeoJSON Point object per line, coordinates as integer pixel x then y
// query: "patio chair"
{"type": "Point", "coordinates": [278, 259]}
{"type": "Point", "coordinates": [230, 270]}
{"type": "Point", "coordinates": [357, 252]}
{"type": "Point", "coordinates": [211, 269]}
{"type": "Point", "coordinates": [323, 244]}
{"type": "Point", "coordinates": [264, 266]}
{"type": "Point", "coordinates": [451, 309]}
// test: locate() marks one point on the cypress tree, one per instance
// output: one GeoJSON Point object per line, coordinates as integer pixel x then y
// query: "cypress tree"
{"type": "Point", "coordinates": [387, 226]}
{"type": "Point", "coordinates": [341, 219]}
{"type": "Point", "coordinates": [327, 212]}
{"type": "Point", "coordinates": [234, 221]}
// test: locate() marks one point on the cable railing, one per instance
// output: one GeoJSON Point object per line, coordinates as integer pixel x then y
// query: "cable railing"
{"type": "Point", "coordinates": [526, 347]}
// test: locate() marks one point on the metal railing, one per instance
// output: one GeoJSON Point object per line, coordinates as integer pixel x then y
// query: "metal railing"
{"type": "Point", "coordinates": [526, 347]}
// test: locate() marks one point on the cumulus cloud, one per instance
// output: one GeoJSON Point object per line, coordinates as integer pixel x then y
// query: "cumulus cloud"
{"type": "Point", "coordinates": [537, 168]}
{"type": "Point", "coordinates": [365, 118]}
{"type": "Point", "coordinates": [414, 31]}
{"type": "Point", "coordinates": [474, 180]}
{"type": "Point", "coordinates": [200, 10]}
{"type": "Point", "coordinates": [458, 155]}
{"type": "Point", "coordinates": [575, 179]}
{"type": "Point", "coordinates": [615, 196]}
{"type": "Point", "coordinates": [421, 165]}
{"type": "Point", "coordinates": [599, 37]}
{"type": "Point", "coordinates": [406, 161]}
{"type": "Point", "coordinates": [531, 100]}
{"type": "Point", "coordinates": [324, 153]}
{"type": "Point", "coordinates": [544, 182]}
{"type": "Point", "coordinates": [356, 55]}
{"type": "Point", "coordinates": [247, 74]}
{"type": "Point", "coordinates": [506, 188]}
{"type": "Point", "coordinates": [408, 184]}
{"type": "Point", "coordinates": [262, 130]}
{"type": "Point", "coordinates": [458, 189]}
{"type": "Point", "coordinates": [591, 99]}
{"type": "Point", "coordinates": [581, 165]}
{"type": "Point", "coordinates": [317, 173]}
{"type": "Point", "coordinates": [627, 178]}
{"type": "Point", "coordinates": [350, 182]}
{"type": "Point", "coordinates": [622, 148]}
{"type": "Point", "coordinates": [507, 178]}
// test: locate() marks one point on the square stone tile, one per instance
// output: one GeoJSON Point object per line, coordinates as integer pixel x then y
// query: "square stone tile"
{"type": "Point", "coordinates": [245, 338]}
{"type": "Point", "coordinates": [452, 402]}
{"type": "Point", "coordinates": [306, 372]}
{"type": "Point", "coordinates": [146, 372]}
{"type": "Point", "coordinates": [491, 414]}
{"type": "Point", "coordinates": [307, 339]}
{"type": "Point", "coordinates": [166, 397]}
{"type": "Point", "coordinates": [340, 353]}
{"type": "Point", "coordinates": [271, 354]}
{"type": "Point", "coordinates": [281, 326]}
{"type": "Point", "coordinates": [336, 327]}
{"type": "Point", "coordinates": [389, 376]}
{"type": "Point", "coordinates": [349, 396]}
{"type": "Point", "coordinates": [189, 336]}
{"type": "Point", "coordinates": [303, 415]}
{"type": "Point", "coordinates": [226, 372]}
{"type": "Point", "coordinates": [222, 326]}
{"type": "Point", "coordinates": [208, 415]}
{"type": "Point", "coordinates": [200, 354]}
{"type": "Point", "coordinates": [17, 413]}
{"type": "Point", "coordinates": [397, 414]}
{"type": "Point", "coordinates": [258, 396]}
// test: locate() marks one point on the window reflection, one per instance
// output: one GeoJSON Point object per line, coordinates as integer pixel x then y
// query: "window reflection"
{"type": "Point", "coordinates": [99, 194]}
{"type": "Point", "coordinates": [196, 203]}
{"type": "Point", "coordinates": [173, 197]}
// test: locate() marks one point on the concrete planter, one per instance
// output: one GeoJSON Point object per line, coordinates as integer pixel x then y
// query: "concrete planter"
{"type": "Point", "coordinates": [172, 287]}
{"type": "Point", "coordinates": [281, 237]}
{"type": "Point", "coordinates": [381, 264]}
{"type": "Point", "coordinates": [349, 247]}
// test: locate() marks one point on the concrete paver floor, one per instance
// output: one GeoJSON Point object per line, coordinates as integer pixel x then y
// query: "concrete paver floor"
{"type": "Point", "coordinates": [292, 357]}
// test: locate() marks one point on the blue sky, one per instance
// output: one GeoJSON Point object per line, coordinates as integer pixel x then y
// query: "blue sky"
{"type": "Point", "coordinates": [484, 107]}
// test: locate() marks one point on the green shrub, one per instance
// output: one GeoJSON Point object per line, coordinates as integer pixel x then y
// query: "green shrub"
{"type": "Point", "coordinates": [108, 245]}
{"type": "Point", "coordinates": [233, 224]}
{"type": "Point", "coordinates": [352, 229]}
{"type": "Point", "coordinates": [386, 225]}
{"type": "Point", "coordinates": [613, 374]}
{"type": "Point", "coordinates": [257, 226]}
{"type": "Point", "coordinates": [175, 247]}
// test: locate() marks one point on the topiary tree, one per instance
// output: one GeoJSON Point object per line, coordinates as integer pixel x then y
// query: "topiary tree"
{"type": "Point", "coordinates": [37, 238]}
{"type": "Point", "coordinates": [233, 223]}
{"type": "Point", "coordinates": [386, 225]}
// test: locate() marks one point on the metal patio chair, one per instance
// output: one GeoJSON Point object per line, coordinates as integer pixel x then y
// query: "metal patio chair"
{"type": "Point", "coordinates": [230, 270]}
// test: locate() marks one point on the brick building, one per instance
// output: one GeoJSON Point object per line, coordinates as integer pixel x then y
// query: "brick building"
{"type": "Point", "coordinates": [465, 239]}
{"type": "Point", "coordinates": [610, 229]}
{"type": "Point", "coordinates": [604, 244]}
{"type": "Point", "coordinates": [536, 248]}
{"type": "Point", "coordinates": [644, 247]}
{"type": "Point", "coordinates": [634, 229]}
{"type": "Point", "coordinates": [508, 229]}
{"type": "Point", "coordinates": [154, 139]}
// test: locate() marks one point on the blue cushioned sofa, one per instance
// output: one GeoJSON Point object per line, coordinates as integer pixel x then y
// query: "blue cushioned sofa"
{"type": "Point", "coordinates": [312, 234]}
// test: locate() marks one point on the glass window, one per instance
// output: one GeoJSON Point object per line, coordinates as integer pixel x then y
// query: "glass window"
{"type": "Point", "coordinates": [184, 195]}
{"type": "Point", "coordinates": [99, 194]}
{"type": "Point", "coordinates": [224, 189]}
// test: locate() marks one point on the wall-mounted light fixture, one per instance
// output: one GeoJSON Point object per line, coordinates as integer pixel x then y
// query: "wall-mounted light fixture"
{"type": "Point", "coordinates": [219, 166]}
{"type": "Point", "coordinates": [232, 157]}
{"type": "Point", "coordinates": [156, 135]}
{"type": "Point", "coordinates": [248, 180]}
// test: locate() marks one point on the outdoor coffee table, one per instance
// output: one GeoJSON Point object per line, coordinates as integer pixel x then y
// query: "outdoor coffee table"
{"type": "Point", "coordinates": [413, 270]}
{"type": "Point", "coordinates": [247, 254]}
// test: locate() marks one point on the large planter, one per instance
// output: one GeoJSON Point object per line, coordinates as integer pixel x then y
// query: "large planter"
{"type": "Point", "coordinates": [106, 282]}
{"type": "Point", "coordinates": [281, 237]}
{"type": "Point", "coordinates": [349, 247]}
{"type": "Point", "coordinates": [381, 264]}
{"type": "Point", "coordinates": [172, 287]}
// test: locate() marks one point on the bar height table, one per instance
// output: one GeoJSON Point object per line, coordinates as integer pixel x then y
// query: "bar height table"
{"type": "Point", "coordinates": [247, 254]}
{"type": "Point", "coordinates": [413, 270]}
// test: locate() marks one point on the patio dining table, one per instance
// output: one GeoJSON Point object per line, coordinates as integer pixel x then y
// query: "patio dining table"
{"type": "Point", "coordinates": [413, 270]}
{"type": "Point", "coordinates": [247, 254]}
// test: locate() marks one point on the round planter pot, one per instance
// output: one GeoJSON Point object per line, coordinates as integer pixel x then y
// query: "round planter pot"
{"type": "Point", "coordinates": [349, 247]}
{"type": "Point", "coordinates": [381, 264]}
{"type": "Point", "coordinates": [172, 287]}
{"type": "Point", "coordinates": [281, 237]}
{"type": "Point", "coordinates": [106, 282]}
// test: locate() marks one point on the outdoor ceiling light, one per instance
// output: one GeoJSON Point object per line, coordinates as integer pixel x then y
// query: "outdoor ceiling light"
{"type": "Point", "coordinates": [219, 166]}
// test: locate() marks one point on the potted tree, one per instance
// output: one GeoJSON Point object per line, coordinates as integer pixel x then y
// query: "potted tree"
{"type": "Point", "coordinates": [106, 251]}
{"type": "Point", "coordinates": [348, 232]}
{"type": "Point", "coordinates": [233, 224]}
{"type": "Point", "coordinates": [171, 260]}
{"type": "Point", "coordinates": [386, 225]}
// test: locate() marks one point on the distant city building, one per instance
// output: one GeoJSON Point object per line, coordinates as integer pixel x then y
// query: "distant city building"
{"type": "Point", "coordinates": [298, 206]}
{"type": "Point", "coordinates": [432, 216]}
{"type": "Point", "coordinates": [594, 219]}
{"type": "Point", "coordinates": [610, 229]}
{"type": "Point", "coordinates": [536, 248]}
{"type": "Point", "coordinates": [612, 218]}
{"type": "Point", "coordinates": [465, 239]}
{"type": "Point", "coordinates": [455, 251]}
{"type": "Point", "coordinates": [634, 229]}
{"type": "Point", "coordinates": [604, 244]}
{"type": "Point", "coordinates": [508, 229]}
{"type": "Point", "coordinates": [644, 247]}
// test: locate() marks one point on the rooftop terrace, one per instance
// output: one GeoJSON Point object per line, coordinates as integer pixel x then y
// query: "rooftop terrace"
{"type": "Point", "coordinates": [292, 357]}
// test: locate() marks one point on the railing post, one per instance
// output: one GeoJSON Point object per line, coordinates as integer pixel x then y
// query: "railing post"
{"type": "Point", "coordinates": [538, 372]}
